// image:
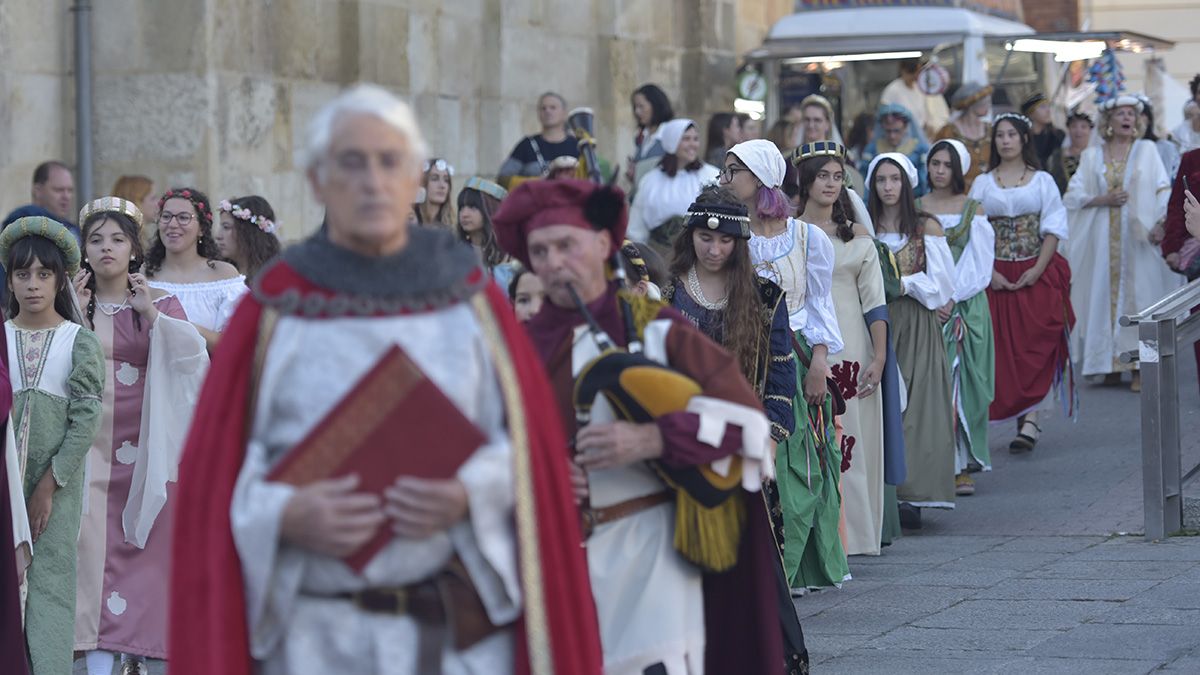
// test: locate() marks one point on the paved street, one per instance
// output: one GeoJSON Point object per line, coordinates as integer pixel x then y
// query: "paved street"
{"type": "Point", "coordinates": [1042, 571]}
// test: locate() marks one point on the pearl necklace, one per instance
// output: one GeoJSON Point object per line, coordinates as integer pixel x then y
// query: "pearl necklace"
{"type": "Point", "coordinates": [103, 306]}
{"type": "Point", "coordinates": [698, 293]}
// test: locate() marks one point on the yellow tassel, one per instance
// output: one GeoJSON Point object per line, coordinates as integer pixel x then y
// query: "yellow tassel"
{"type": "Point", "coordinates": [643, 309]}
{"type": "Point", "coordinates": [709, 538]}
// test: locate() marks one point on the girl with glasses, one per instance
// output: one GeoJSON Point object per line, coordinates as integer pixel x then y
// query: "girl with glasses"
{"type": "Point", "coordinates": [184, 261]}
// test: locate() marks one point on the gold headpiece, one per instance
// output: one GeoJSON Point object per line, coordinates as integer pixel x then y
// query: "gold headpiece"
{"type": "Point", "coordinates": [818, 149]}
{"type": "Point", "coordinates": [111, 205]}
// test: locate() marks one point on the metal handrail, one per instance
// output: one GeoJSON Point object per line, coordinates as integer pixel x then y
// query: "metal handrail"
{"type": "Point", "coordinates": [1162, 328]}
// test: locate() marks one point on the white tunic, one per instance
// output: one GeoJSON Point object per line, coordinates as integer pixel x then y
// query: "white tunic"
{"type": "Point", "coordinates": [1142, 276]}
{"type": "Point", "coordinates": [933, 287]}
{"type": "Point", "coordinates": [649, 599]}
{"type": "Point", "coordinates": [1039, 195]}
{"type": "Point", "coordinates": [973, 270]}
{"type": "Point", "coordinates": [209, 304]}
{"type": "Point", "coordinates": [310, 366]}
{"type": "Point", "coordinates": [660, 197]}
{"type": "Point", "coordinates": [800, 260]}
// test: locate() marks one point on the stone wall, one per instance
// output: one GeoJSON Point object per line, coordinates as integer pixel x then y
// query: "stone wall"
{"type": "Point", "coordinates": [216, 93]}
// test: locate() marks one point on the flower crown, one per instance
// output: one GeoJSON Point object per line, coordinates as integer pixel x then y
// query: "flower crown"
{"type": "Point", "coordinates": [440, 165]}
{"type": "Point", "coordinates": [1013, 116]}
{"type": "Point", "coordinates": [242, 213]}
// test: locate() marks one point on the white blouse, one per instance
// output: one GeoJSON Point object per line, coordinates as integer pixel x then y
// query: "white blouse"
{"type": "Point", "coordinates": [660, 197]}
{"type": "Point", "coordinates": [809, 297]}
{"type": "Point", "coordinates": [934, 287]}
{"type": "Point", "coordinates": [209, 304]}
{"type": "Point", "coordinates": [1039, 196]}
{"type": "Point", "coordinates": [973, 271]}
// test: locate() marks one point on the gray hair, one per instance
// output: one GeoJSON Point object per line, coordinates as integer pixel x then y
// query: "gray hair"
{"type": "Point", "coordinates": [368, 99]}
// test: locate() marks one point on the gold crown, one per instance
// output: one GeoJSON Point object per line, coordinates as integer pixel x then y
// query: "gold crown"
{"type": "Point", "coordinates": [111, 205]}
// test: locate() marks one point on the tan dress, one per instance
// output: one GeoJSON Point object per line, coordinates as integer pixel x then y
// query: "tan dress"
{"type": "Point", "coordinates": [857, 290]}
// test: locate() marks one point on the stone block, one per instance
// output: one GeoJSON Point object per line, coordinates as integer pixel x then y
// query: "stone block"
{"type": "Point", "coordinates": [1179, 595]}
{"type": "Point", "coordinates": [1065, 589]}
{"type": "Point", "coordinates": [1109, 569]}
{"type": "Point", "coordinates": [914, 638]}
{"type": "Point", "coordinates": [165, 116]}
{"type": "Point", "coordinates": [1073, 665]}
{"type": "Point", "coordinates": [1184, 549]}
{"type": "Point", "coordinates": [383, 45]}
{"type": "Point", "coordinates": [1018, 614]}
{"type": "Point", "coordinates": [856, 621]}
{"type": "Point", "coordinates": [244, 37]}
{"type": "Point", "coordinates": [888, 571]}
{"type": "Point", "coordinates": [873, 662]}
{"type": "Point", "coordinates": [173, 35]}
{"type": "Point", "coordinates": [960, 573]}
{"type": "Point", "coordinates": [1043, 544]}
{"type": "Point", "coordinates": [1122, 641]}
{"type": "Point", "coordinates": [914, 601]}
{"type": "Point", "coordinates": [35, 37]}
{"type": "Point", "coordinates": [1149, 615]}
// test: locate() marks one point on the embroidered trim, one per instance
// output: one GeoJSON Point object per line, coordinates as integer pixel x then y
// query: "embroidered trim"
{"type": "Point", "coordinates": [781, 358]}
{"type": "Point", "coordinates": [293, 302]}
{"type": "Point", "coordinates": [777, 397]}
{"type": "Point", "coordinates": [779, 433]}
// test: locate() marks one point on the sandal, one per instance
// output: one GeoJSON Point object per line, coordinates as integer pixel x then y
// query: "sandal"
{"type": "Point", "coordinates": [963, 485]}
{"type": "Point", "coordinates": [1025, 441]}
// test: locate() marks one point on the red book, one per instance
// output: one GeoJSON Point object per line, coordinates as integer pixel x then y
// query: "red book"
{"type": "Point", "coordinates": [393, 422]}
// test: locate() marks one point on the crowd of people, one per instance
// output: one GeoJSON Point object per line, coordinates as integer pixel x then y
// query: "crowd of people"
{"type": "Point", "coordinates": [764, 357]}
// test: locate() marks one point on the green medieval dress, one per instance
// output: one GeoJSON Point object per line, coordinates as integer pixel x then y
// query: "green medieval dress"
{"type": "Point", "coordinates": [58, 379]}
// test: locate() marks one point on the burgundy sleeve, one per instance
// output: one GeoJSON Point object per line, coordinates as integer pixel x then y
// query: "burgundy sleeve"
{"type": "Point", "coordinates": [1176, 231]}
{"type": "Point", "coordinates": [719, 376]}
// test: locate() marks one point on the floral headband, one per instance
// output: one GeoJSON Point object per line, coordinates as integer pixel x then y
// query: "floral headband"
{"type": "Point", "coordinates": [196, 198]}
{"type": "Point", "coordinates": [440, 165]}
{"type": "Point", "coordinates": [242, 213]}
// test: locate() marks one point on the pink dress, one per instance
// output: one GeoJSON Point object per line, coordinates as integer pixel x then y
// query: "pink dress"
{"type": "Point", "coordinates": [121, 598]}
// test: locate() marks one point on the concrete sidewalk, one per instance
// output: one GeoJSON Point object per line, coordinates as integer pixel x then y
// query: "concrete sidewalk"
{"type": "Point", "coordinates": [1033, 604]}
{"type": "Point", "coordinates": [1030, 574]}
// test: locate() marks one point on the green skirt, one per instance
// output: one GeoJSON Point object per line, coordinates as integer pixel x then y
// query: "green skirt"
{"type": "Point", "coordinates": [972, 357]}
{"type": "Point", "coordinates": [928, 423]}
{"type": "Point", "coordinates": [808, 467]}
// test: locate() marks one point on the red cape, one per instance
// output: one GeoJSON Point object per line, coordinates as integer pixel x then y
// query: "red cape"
{"type": "Point", "coordinates": [558, 632]}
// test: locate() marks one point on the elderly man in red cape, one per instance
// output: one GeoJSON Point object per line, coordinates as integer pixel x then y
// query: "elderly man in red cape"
{"type": "Point", "coordinates": [478, 573]}
{"type": "Point", "coordinates": [684, 580]}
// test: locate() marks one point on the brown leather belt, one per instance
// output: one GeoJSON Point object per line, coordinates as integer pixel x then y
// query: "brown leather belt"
{"type": "Point", "coordinates": [607, 514]}
{"type": "Point", "coordinates": [422, 601]}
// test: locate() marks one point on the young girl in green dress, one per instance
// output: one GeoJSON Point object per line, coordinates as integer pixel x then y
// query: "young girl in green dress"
{"type": "Point", "coordinates": [57, 373]}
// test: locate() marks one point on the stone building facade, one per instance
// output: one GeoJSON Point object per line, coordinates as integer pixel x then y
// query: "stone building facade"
{"type": "Point", "coordinates": [216, 93]}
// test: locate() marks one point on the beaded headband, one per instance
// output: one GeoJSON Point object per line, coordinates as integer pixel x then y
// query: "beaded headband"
{"type": "Point", "coordinates": [731, 219]}
{"type": "Point", "coordinates": [485, 186]}
{"type": "Point", "coordinates": [1012, 116]}
{"type": "Point", "coordinates": [818, 149]}
{"type": "Point", "coordinates": [111, 205]}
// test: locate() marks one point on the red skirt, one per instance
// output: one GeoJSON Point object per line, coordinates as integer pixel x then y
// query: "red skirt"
{"type": "Point", "coordinates": [1031, 327]}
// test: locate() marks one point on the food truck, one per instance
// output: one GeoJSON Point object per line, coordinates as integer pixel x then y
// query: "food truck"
{"type": "Point", "coordinates": [849, 50]}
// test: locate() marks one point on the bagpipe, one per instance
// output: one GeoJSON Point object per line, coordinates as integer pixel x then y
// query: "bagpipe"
{"type": "Point", "coordinates": [639, 390]}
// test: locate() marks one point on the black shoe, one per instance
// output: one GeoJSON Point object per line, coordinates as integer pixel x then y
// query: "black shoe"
{"type": "Point", "coordinates": [1027, 437]}
{"type": "Point", "coordinates": [910, 517]}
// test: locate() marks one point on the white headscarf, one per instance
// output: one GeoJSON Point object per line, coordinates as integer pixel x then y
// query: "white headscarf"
{"type": "Point", "coordinates": [763, 159]}
{"type": "Point", "coordinates": [964, 157]}
{"type": "Point", "coordinates": [904, 162]}
{"type": "Point", "coordinates": [671, 132]}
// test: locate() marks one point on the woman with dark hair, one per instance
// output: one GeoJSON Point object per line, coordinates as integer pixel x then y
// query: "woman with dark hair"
{"type": "Point", "coordinates": [1029, 296]}
{"type": "Point", "coordinates": [859, 368]}
{"type": "Point", "coordinates": [1116, 205]}
{"type": "Point", "coordinates": [438, 180]}
{"type": "Point", "coordinates": [966, 319]}
{"type": "Point", "coordinates": [1065, 160]}
{"type": "Point", "coordinates": [248, 235]}
{"type": "Point", "coordinates": [798, 257]}
{"type": "Point", "coordinates": [714, 285]}
{"type": "Point", "coordinates": [926, 283]}
{"type": "Point", "coordinates": [862, 132]}
{"type": "Point", "coordinates": [651, 108]}
{"type": "Point", "coordinates": [724, 132]}
{"type": "Point", "coordinates": [477, 202]}
{"type": "Point", "coordinates": [57, 384]}
{"type": "Point", "coordinates": [184, 261]}
{"type": "Point", "coordinates": [665, 192]}
{"type": "Point", "coordinates": [156, 362]}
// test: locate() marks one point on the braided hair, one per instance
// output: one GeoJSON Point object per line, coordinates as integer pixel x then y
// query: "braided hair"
{"type": "Point", "coordinates": [205, 246]}
{"type": "Point", "coordinates": [132, 232]}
